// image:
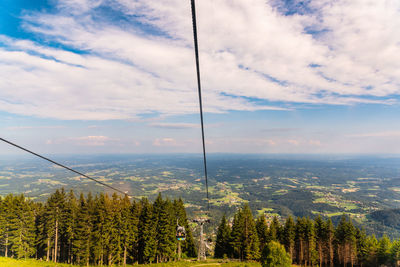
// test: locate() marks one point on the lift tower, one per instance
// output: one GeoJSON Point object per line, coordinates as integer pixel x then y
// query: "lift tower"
{"type": "Point", "coordinates": [201, 255]}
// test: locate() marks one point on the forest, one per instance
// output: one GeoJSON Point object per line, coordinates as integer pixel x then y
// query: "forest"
{"type": "Point", "coordinates": [307, 242]}
{"type": "Point", "coordinates": [106, 230]}
{"type": "Point", "coordinates": [100, 230]}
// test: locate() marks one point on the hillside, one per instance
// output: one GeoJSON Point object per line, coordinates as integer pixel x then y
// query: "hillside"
{"type": "Point", "coordinates": [276, 185]}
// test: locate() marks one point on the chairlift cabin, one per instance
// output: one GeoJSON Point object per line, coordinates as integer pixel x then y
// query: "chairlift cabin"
{"type": "Point", "coordinates": [180, 233]}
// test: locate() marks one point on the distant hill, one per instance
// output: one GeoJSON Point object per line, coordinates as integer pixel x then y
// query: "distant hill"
{"type": "Point", "coordinates": [389, 217]}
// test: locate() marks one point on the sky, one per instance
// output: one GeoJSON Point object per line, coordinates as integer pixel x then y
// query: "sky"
{"type": "Point", "coordinates": [278, 76]}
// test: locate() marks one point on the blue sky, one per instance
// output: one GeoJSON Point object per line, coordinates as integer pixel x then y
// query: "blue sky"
{"type": "Point", "coordinates": [117, 76]}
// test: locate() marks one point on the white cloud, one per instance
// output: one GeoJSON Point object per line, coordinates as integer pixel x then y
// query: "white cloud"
{"type": "Point", "coordinates": [174, 125]}
{"type": "Point", "coordinates": [167, 141]}
{"type": "Point", "coordinates": [377, 134]}
{"type": "Point", "coordinates": [91, 140]}
{"type": "Point", "coordinates": [247, 49]}
{"type": "Point", "coordinates": [293, 142]}
{"type": "Point", "coordinates": [18, 128]}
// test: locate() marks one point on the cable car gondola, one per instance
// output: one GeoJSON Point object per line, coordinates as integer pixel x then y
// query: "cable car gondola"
{"type": "Point", "coordinates": [180, 233]}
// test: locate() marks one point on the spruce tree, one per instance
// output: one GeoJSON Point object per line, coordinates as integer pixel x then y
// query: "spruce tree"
{"type": "Point", "coordinates": [147, 233]}
{"type": "Point", "coordinates": [6, 212]}
{"type": "Point", "coordinates": [235, 240]}
{"type": "Point", "coordinates": [320, 238]}
{"type": "Point", "coordinates": [166, 240]}
{"type": "Point", "coordinates": [83, 230]}
{"type": "Point", "coordinates": [395, 252]}
{"type": "Point", "coordinates": [329, 241]}
{"type": "Point", "coordinates": [346, 242]}
{"type": "Point", "coordinates": [22, 228]}
{"type": "Point", "coordinates": [222, 242]}
{"type": "Point", "coordinates": [127, 235]}
{"type": "Point", "coordinates": [250, 240]}
{"type": "Point", "coordinates": [383, 251]}
{"type": "Point", "coordinates": [300, 239]}
{"type": "Point", "coordinates": [69, 219]}
{"type": "Point", "coordinates": [53, 222]}
{"type": "Point", "coordinates": [274, 231]}
{"type": "Point", "coordinates": [311, 255]}
{"type": "Point", "coordinates": [262, 231]}
{"type": "Point", "coordinates": [289, 233]}
{"type": "Point", "coordinates": [135, 211]}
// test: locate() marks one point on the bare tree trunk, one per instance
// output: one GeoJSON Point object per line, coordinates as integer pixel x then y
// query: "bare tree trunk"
{"type": "Point", "coordinates": [6, 252]}
{"type": "Point", "coordinates": [48, 249]}
{"type": "Point", "coordinates": [320, 253]}
{"type": "Point", "coordinates": [56, 242]}
{"type": "Point", "coordinates": [330, 251]}
{"type": "Point", "coordinates": [125, 252]}
{"type": "Point", "coordinates": [301, 252]}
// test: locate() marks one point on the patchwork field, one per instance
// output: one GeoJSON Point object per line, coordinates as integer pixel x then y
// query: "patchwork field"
{"type": "Point", "coordinates": [273, 185]}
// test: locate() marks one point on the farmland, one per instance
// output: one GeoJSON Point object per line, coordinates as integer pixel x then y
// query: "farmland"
{"type": "Point", "coordinates": [273, 185]}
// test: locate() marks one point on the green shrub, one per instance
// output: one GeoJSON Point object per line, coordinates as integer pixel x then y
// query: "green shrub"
{"type": "Point", "coordinates": [275, 255]}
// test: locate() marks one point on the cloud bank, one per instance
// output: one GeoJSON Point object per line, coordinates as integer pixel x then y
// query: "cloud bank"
{"type": "Point", "coordinates": [119, 59]}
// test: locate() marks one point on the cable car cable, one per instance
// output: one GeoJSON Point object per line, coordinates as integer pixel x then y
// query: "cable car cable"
{"type": "Point", "coordinates": [65, 167]}
{"type": "Point", "coordinates": [196, 51]}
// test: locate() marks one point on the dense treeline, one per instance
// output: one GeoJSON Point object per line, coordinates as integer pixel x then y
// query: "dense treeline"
{"type": "Point", "coordinates": [307, 242]}
{"type": "Point", "coordinates": [92, 230]}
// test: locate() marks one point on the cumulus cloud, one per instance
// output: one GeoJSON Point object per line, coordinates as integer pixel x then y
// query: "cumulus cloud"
{"type": "Point", "coordinates": [344, 52]}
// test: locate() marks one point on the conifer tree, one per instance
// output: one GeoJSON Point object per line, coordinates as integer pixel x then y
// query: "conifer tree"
{"type": "Point", "coordinates": [99, 236]}
{"type": "Point", "coordinates": [345, 236]}
{"type": "Point", "coordinates": [83, 231]}
{"type": "Point", "coordinates": [383, 251]}
{"type": "Point", "coordinates": [320, 238]}
{"type": "Point", "coordinates": [69, 218]}
{"type": "Point", "coordinates": [236, 236]}
{"type": "Point", "coordinates": [262, 231]}
{"type": "Point", "coordinates": [222, 242]}
{"type": "Point", "coordinates": [165, 229]}
{"type": "Point", "coordinates": [300, 240]}
{"type": "Point", "coordinates": [22, 228]}
{"type": "Point", "coordinates": [135, 211]}
{"type": "Point", "coordinates": [127, 235]}
{"type": "Point", "coordinates": [330, 236]}
{"type": "Point", "coordinates": [53, 222]}
{"type": "Point", "coordinates": [309, 233]}
{"type": "Point", "coordinates": [2, 222]}
{"type": "Point", "coordinates": [147, 233]}
{"type": "Point", "coordinates": [289, 233]}
{"type": "Point", "coordinates": [274, 230]}
{"type": "Point", "coordinates": [7, 215]}
{"type": "Point", "coordinates": [115, 247]}
{"type": "Point", "coordinates": [395, 252]}
{"type": "Point", "coordinates": [250, 241]}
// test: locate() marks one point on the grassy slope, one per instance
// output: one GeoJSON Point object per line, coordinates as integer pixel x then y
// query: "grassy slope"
{"type": "Point", "coordinates": [7, 262]}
